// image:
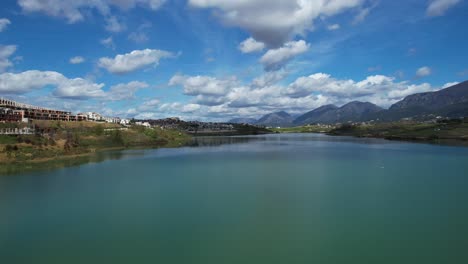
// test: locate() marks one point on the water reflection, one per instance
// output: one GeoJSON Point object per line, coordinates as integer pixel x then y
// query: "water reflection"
{"type": "Point", "coordinates": [224, 144]}
{"type": "Point", "coordinates": [15, 168]}
{"type": "Point", "coordinates": [286, 138]}
{"type": "Point", "coordinates": [217, 141]}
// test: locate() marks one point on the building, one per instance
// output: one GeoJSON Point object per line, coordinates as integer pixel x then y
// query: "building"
{"type": "Point", "coordinates": [145, 124]}
{"type": "Point", "coordinates": [125, 122]}
{"type": "Point", "coordinates": [10, 115]}
{"type": "Point", "coordinates": [114, 120]}
{"type": "Point", "coordinates": [92, 116]}
{"type": "Point", "coordinates": [27, 112]}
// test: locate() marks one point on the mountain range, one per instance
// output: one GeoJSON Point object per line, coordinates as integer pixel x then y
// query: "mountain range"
{"type": "Point", "coordinates": [449, 102]}
{"type": "Point", "coordinates": [243, 120]}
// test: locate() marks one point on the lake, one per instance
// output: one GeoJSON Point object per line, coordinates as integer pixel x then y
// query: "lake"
{"type": "Point", "coordinates": [287, 198]}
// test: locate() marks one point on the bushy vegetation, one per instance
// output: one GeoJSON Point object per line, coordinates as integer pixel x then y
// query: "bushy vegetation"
{"type": "Point", "coordinates": [442, 130]}
{"type": "Point", "coordinates": [6, 139]}
{"type": "Point", "coordinates": [60, 139]}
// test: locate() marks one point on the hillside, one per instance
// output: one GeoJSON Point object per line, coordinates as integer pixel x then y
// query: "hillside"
{"type": "Point", "coordinates": [435, 100]}
{"type": "Point", "coordinates": [314, 116]}
{"type": "Point", "coordinates": [448, 131]}
{"type": "Point", "coordinates": [330, 114]}
{"type": "Point", "coordinates": [62, 140]}
{"type": "Point", "coordinates": [449, 102]}
{"type": "Point", "coordinates": [276, 119]}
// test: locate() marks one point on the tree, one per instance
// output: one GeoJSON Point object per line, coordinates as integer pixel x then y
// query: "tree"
{"type": "Point", "coordinates": [98, 130]}
{"type": "Point", "coordinates": [9, 149]}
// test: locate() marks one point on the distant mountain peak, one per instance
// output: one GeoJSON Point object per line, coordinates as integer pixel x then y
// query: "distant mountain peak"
{"type": "Point", "coordinates": [448, 102]}
{"type": "Point", "coordinates": [352, 111]}
{"type": "Point", "coordinates": [358, 103]}
{"type": "Point", "coordinates": [323, 107]}
{"type": "Point", "coordinates": [280, 118]}
{"type": "Point", "coordinates": [282, 113]}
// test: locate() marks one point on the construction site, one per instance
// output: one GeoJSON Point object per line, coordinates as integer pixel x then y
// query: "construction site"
{"type": "Point", "coordinates": [11, 111]}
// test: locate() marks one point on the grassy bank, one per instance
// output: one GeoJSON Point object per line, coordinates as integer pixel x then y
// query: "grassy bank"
{"type": "Point", "coordinates": [62, 140]}
{"type": "Point", "coordinates": [446, 131]}
{"type": "Point", "coordinates": [303, 129]}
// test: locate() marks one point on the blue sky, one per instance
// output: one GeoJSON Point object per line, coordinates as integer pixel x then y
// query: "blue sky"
{"type": "Point", "coordinates": [219, 59]}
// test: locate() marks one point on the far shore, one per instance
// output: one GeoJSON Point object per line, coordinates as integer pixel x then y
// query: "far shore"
{"type": "Point", "coordinates": [444, 132]}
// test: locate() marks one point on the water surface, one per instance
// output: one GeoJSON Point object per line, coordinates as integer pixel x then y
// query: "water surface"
{"type": "Point", "coordinates": [296, 198]}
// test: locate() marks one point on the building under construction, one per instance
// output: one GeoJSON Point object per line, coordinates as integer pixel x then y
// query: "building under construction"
{"type": "Point", "coordinates": [11, 111]}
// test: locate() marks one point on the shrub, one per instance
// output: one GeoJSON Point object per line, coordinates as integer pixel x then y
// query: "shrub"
{"type": "Point", "coordinates": [117, 138]}
{"type": "Point", "coordinates": [98, 130]}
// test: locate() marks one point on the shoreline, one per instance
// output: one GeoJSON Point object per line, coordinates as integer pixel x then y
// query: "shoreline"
{"type": "Point", "coordinates": [72, 160]}
{"type": "Point", "coordinates": [68, 144]}
{"type": "Point", "coordinates": [59, 144]}
{"type": "Point", "coordinates": [455, 142]}
{"type": "Point", "coordinates": [443, 132]}
{"type": "Point", "coordinates": [48, 157]}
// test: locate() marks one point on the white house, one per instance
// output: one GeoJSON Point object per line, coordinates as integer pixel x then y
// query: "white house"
{"type": "Point", "coordinates": [94, 116]}
{"type": "Point", "coordinates": [115, 120]}
{"type": "Point", "coordinates": [145, 124]}
{"type": "Point", "coordinates": [124, 122]}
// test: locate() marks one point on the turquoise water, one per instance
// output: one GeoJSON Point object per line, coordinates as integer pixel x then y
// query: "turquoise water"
{"type": "Point", "coordinates": [264, 199]}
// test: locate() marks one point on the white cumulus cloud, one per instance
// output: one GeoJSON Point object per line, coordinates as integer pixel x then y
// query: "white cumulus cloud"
{"type": "Point", "coordinates": [251, 45]}
{"type": "Point", "coordinates": [149, 106]}
{"type": "Point", "coordinates": [125, 91]}
{"type": "Point", "coordinates": [78, 88]}
{"type": "Point", "coordinates": [203, 85]}
{"type": "Point", "coordinates": [379, 89]}
{"type": "Point", "coordinates": [275, 22]}
{"type": "Point", "coordinates": [274, 59]}
{"type": "Point", "coordinates": [24, 82]}
{"type": "Point", "coordinates": [188, 108]}
{"type": "Point", "coordinates": [135, 60]}
{"type": "Point", "coordinates": [264, 94]}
